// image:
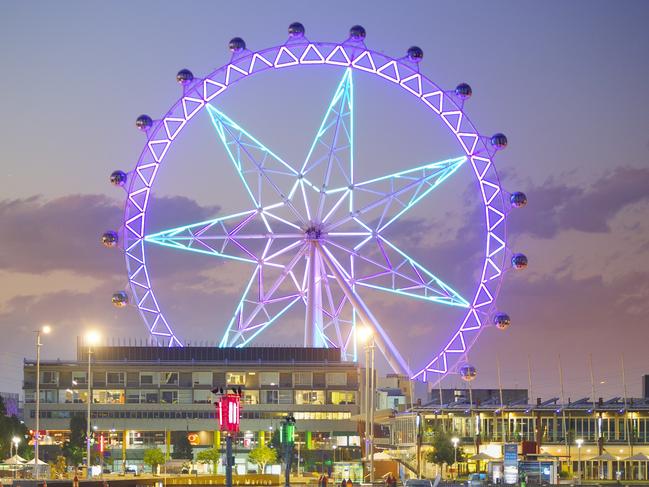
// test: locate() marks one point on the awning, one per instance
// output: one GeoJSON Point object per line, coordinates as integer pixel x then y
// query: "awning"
{"type": "Point", "coordinates": [604, 457]}
{"type": "Point", "coordinates": [638, 457]}
{"type": "Point", "coordinates": [40, 462]}
{"type": "Point", "coordinates": [15, 460]}
{"type": "Point", "coordinates": [481, 457]}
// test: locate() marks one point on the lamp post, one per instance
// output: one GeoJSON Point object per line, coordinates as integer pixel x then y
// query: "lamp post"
{"type": "Point", "coordinates": [580, 442]}
{"type": "Point", "coordinates": [15, 441]}
{"type": "Point", "coordinates": [92, 338]}
{"type": "Point", "coordinates": [366, 335]}
{"type": "Point", "coordinates": [37, 436]}
{"type": "Point", "coordinates": [455, 440]}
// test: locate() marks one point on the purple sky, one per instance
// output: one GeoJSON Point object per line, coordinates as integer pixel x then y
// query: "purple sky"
{"type": "Point", "coordinates": [566, 82]}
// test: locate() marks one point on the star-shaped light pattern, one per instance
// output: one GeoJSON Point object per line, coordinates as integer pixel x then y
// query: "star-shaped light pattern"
{"type": "Point", "coordinates": [315, 235]}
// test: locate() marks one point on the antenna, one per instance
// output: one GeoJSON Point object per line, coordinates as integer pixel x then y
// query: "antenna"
{"type": "Point", "coordinates": [626, 422]}
{"type": "Point", "coordinates": [500, 390]}
{"type": "Point", "coordinates": [563, 405]}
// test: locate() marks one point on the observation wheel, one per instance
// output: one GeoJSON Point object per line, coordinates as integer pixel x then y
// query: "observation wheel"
{"type": "Point", "coordinates": [314, 237]}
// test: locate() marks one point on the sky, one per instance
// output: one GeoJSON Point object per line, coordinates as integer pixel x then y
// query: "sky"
{"type": "Point", "coordinates": [566, 81]}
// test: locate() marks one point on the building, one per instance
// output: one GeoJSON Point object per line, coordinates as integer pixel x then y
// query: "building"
{"type": "Point", "coordinates": [645, 386]}
{"type": "Point", "coordinates": [613, 434]}
{"type": "Point", "coordinates": [12, 404]}
{"type": "Point", "coordinates": [479, 396]}
{"type": "Point", "coordinates": [141, 396]}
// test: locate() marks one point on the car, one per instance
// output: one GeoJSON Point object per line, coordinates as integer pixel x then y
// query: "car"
{"type": "Point", "coordinates": [418, 483]}
{"type": "Point", "coordinates": [476, 480]}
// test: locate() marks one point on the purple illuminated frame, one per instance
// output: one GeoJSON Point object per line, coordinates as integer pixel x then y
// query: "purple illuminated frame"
{"type": "Point", "coordinates": [351, 55]}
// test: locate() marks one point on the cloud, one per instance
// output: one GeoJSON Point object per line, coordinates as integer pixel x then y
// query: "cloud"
{"type": "Point", "coordinates": [64, 234]}
{"type": "Point", "coordinates": [554, 207]}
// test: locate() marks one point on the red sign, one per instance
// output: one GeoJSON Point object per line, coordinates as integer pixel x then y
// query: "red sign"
{"type": "Point", "coordinates": [228, 409]}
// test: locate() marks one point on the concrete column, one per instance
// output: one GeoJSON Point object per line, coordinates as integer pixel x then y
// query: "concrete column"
{"type": "Point", "coordinates": [217, 439]}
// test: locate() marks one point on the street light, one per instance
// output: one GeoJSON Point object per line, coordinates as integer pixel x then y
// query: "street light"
{"type": "Point", "coordinates": [15, 441]}
{"type": "Point", "coordinates": [45, 329]}
{"type": "Point", "coordinates": [455, 440]}
{"type": "Point", "coordinates": [92, 338]}
{"type": "Point", "coordinates": [334, 449]}
{"type": "Point", "coordinates": [366, 335]}
{"type": "Point", "coordinates": [580, 442]}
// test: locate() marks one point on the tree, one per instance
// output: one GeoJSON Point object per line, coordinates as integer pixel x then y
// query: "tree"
{"type": "Point", "coordinates": [59, 468]}
{"type": "Point", "coordinates": [183, 449]}
{"type": "Point", "coordinates": [10, 427]}
{"type": "Point", "coordinates": [74, 449]}
{"type": "Point", "coordinates": [262, 455]}
{"type": "Point", "coordinates": [211, 456]}
{"type": "Point", "coordinates": [154, 457]}
{"type": "Point", "coordinates": [443, 451]}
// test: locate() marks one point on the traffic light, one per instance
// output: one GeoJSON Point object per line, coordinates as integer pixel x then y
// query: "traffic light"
{"type": "Point", "coordinates": [287, 433]}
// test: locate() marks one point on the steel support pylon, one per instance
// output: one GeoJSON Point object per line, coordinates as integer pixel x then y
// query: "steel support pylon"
{"type": "Point", "coordinates": [381, 339]}
{"type": "Point", "coordinates": [313, 323]}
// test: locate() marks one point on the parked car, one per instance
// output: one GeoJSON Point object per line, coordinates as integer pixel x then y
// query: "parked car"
{"type": "Point", "coordinates": [418, 483]}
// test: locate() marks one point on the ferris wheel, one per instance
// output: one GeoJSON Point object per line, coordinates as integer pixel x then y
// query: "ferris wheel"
{"type": "Point", "coordinates": [314, 237]}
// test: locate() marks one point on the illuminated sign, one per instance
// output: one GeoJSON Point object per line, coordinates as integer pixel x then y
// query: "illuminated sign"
{"type": "Point", "coordinates": [228, 408]}
{"type": "Point", "coordinates": [510, 463]}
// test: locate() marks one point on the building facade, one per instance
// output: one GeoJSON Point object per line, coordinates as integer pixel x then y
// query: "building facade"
{"type": "Point", "coordinates": [613, 434]}
{"type": "Point", "coordinates": [141, 396]}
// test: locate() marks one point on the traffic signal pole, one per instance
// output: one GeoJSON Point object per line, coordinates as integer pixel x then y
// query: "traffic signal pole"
{"type": "Point", "coordinates": [228, 460]}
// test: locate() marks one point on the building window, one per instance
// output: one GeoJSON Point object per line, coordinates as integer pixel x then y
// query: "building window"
{"type": "Point", "coordinates": [149, 397]}
{"type": "Point", "coordinates": [148, 379]}
{"type": "Point", "coordinates": [169, 397]}
{"type": "Point", "coordinates": [250, 397]}
{"type": "Point", "coordinates": [110, 396]}
{"type": "Point", "coordinates": [343, 397]}
{"type": "Point", "coordinates": [133, 396]}
{"type": "Point", "coordinates": [277, 397]}
{"type": "Point", "coordinates": [269, 378]}
{"type": "Point", "coordinates": [309, 397]}
{"type": "Point", "coordinates": [71, 396]}
{"type": "Point", "coordinates": [236, 378]}
{"type": "Point", "coordinates": [169, 379]}
{"type": "Point", "coordinates": [270, 397]}
{"type": "Point", "coordinates": [49, 377]}
{"type": "Point", "coordinates": [202, 397]}
{"type": "Point", "coordinates": [115, 378]}
{"type": "Point", "coordinates": [336, 379]}
{"type": "Point", "coordinates": [303, 379]}
{"type": "Point", "coordinates": [202, 378]}
{"type": "Point", "coordinates": [49, 396]}
{"type": "Point", "coordinates": [185, 396]}
{"type": "Point", "coordinates": [79, 378]}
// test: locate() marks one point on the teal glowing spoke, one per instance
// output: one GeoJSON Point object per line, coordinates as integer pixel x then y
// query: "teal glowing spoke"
{"type": "Point", "coordinates": [385, 267]}
{"type": "Point", "coordinates": [240, 236]}
{"type": "Point", "coordinates": [257, 166]}
{"type": "Point", "coordinates": [330, 160]}
{"type": "Point", "coordinates": [396, 193]}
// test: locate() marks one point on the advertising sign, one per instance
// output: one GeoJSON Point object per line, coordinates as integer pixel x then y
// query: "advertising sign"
{"type": "Point", "coordinates": [228, 412]}
{"type": "Point", "coordinates": [510, 463]}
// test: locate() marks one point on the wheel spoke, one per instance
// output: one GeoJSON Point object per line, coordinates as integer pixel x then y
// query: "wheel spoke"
{"type": "Point", "coordinates": [379, 264]}
{"type": "Point", "coordinates": [385, 199]}
{"type": "Point", "coordinates": [248, 236]}
{"type": "Point", "coordinates": [329, 161]}
{"type": "Point", "coordinates": [262, 172]}
{"type": "Point", "coordinates": [259, 306]}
